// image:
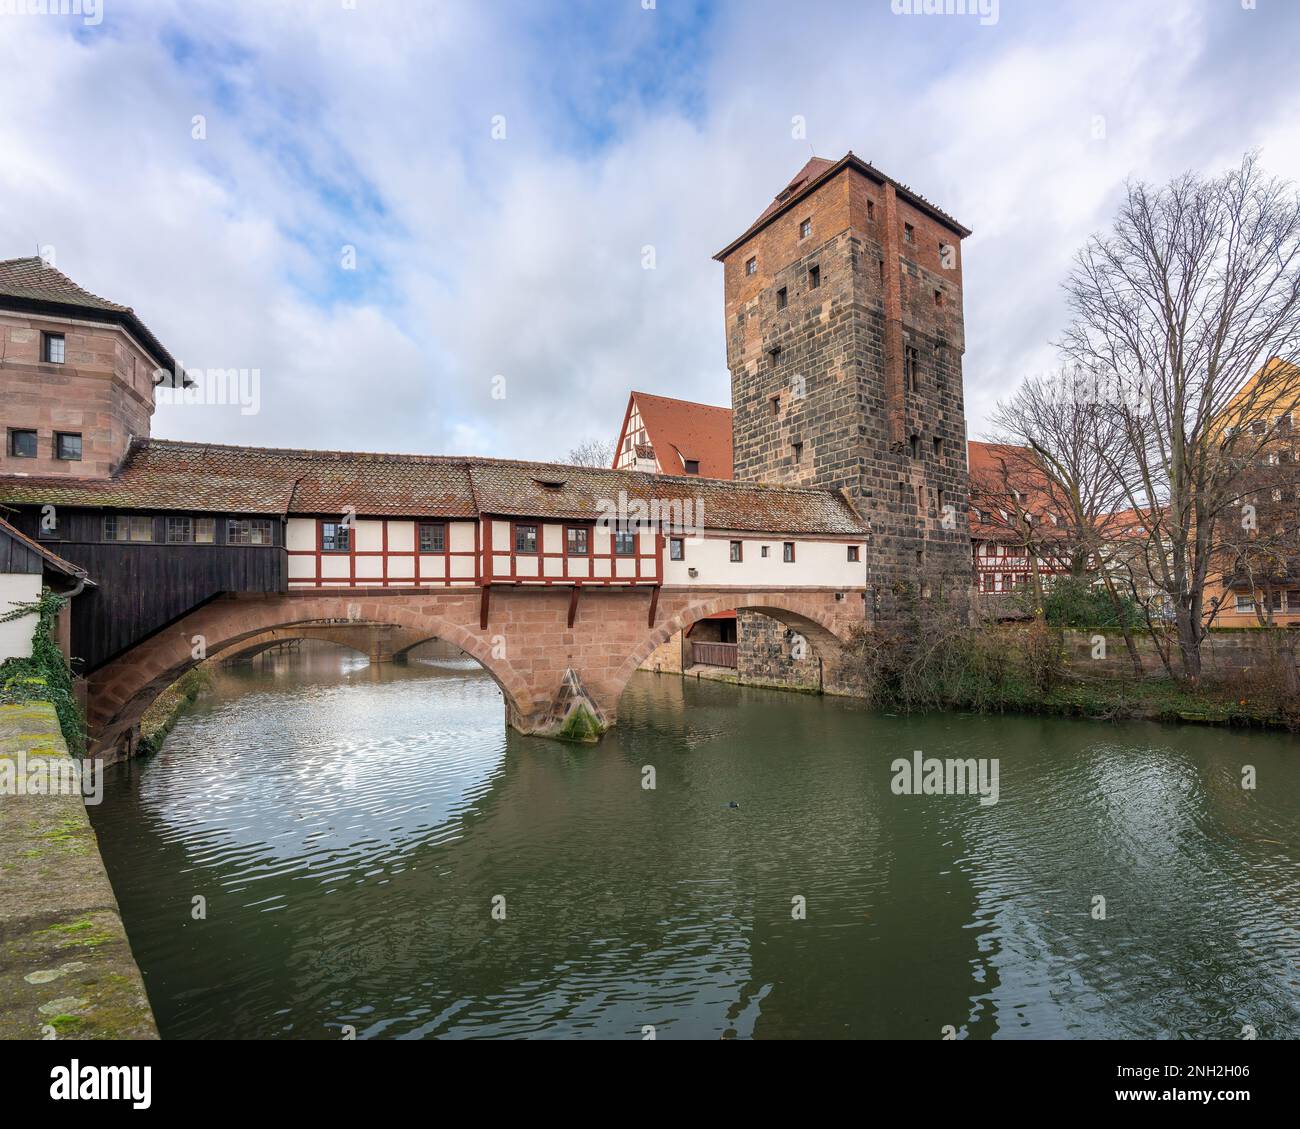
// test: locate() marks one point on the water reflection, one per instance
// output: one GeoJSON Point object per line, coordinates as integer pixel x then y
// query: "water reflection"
{"type": "Point", "coordinates": [351, 827]}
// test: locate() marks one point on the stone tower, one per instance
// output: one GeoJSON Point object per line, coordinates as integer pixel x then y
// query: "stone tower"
{"type": "Point", "coordinates": [845, 340]}
{"type": "Point", "coordinates": [77, 375]}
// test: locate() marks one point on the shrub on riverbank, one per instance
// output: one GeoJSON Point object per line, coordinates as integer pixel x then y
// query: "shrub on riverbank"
{"type": "Point", "coordinates": [44, 676]}
{"type": "Point", "coordinates": [159, 718]}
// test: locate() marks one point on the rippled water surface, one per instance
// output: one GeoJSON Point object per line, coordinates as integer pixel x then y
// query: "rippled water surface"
{"type": "Point", "coordinates": [350, 827]}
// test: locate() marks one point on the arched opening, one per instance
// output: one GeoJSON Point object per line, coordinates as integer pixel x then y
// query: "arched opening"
{"type": "Point", "coordinates": [782, 641]}
{"type": "Point", "coordinates": [121, 691]}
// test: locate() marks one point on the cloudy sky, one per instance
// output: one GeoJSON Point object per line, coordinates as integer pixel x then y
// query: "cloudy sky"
{"type": "Point", "coordinates": [499, 165]}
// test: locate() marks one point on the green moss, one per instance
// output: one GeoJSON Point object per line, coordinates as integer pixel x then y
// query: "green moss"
{"type": "Point", "coordinates": [66, 1023]}
{"type": "Point", "coordinates": [581, 726]}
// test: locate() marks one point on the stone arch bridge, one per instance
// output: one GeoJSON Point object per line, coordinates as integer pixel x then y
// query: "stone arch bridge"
{"type": "Point", "coordinates": [552, 658]}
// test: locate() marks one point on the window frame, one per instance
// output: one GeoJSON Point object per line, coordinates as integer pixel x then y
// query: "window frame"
{"type": "Point", "coordinates": [854, 554]}
{"type": "Point", "coordinates": [516, 528]}
{"type": "Point", "coordinates": [815, 277]}
{"type": "Point", "coordinates": [737, 551]}
{"type": "Point", "coordinates": [806, 228]}
{"type": "Point", "coordinates": [433, 550]}
{"type": "Point", "coordinates": [751, 266]}
{"type": "Point", "coordinates": [341, 540]}
{"type": "Point", "coordinates": [232, 530]}
{"type": "Point", "coordinates": [569, 551]}
{"type": "Point", "coordinates": [48, 340]}
{"type": "Point", "coordinates": [617, 540]}
{"type": "Point", "coordinates": [59, 437]}
{"type": "Point", "coordinates": [676, 548]}
{"type": "Point", "coordinates": [132, 522]}
{"type": "Point", "coordinates": [788, 552]}
{"type": "Point", "coordinates": [14, 433]}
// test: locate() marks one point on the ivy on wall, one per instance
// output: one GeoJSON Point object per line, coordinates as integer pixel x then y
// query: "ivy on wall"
{"type": "Point", "coordinates": [44, 677]}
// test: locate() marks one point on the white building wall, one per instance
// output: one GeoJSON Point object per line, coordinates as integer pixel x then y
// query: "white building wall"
{"type": "Point", "coordinates": [817, 564]}
{"type": "Point", "coordinates": [16, 635]}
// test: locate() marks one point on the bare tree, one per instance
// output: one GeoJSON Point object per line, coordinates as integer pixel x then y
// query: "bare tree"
{"type": "Point", "coordinates": [1195, 287]}
{"type": "Point", "coordinates": [593, 453]}
{"type": "Point", "coordinates": [1072, 453]}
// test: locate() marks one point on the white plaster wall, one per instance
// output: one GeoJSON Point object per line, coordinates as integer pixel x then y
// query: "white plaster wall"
{"type": "Point", "coordinates": [820, 564]}
{"type": "Point", "coordinates": [300, 533]}
{"type": "Point", "coordinates": [16, 636]}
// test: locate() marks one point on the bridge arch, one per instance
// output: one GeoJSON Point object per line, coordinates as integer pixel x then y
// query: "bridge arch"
{"type": "Point", "coordinates": [826, 631]}
{"type": "Point", "coordinates": [123, 689]}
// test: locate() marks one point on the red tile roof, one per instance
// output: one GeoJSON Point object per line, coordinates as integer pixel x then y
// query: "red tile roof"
{"type": "Point", "coordinates": [32, 284]}
{"type": "Point", "coordinates": [163, 475]}
{"type": "Point", "coordinates": [681, 429]}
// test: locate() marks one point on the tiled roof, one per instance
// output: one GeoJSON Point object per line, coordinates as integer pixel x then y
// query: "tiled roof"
{"type": "Point", "coordinates": [34, 278]}
{"type": "Point", "coordinates": [680, 430]}
{"type": "Point", "coordinates": [164, 475]}
{"type": "Point", "coordinates": [31, 282]}
{"type": "Point", "coordinates": [819, 170]}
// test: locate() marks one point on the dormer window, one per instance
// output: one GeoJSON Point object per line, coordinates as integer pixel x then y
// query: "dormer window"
{"type": "Point", "coordinates": [52, 348]}
{"type": "Point", "coordinates": [751, 266]}
{"type": "Point", "coordinates": [692, 466]}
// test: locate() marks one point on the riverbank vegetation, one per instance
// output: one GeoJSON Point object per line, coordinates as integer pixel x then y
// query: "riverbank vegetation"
{"type": "Point", "coordinates": [161, 717]}
{"type": "Point", "coordinates": [936, 659]}
{"type": "Point", "coordinates": [44, 676]}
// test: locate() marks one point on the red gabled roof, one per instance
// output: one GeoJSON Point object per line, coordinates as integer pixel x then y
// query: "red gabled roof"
{"type": "Point", "coordinates": [680, 429]}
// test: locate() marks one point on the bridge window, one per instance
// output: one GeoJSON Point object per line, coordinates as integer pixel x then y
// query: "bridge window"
{"type": "Point", "coordinates": [251, 531]}
{"type": "Point", "coordinates": [335, 537]}
{"type": "Point", "coordinates": [676, 549]}
{"type": "Point", "coordinates": [853, 552]}
{"type": "Point", "coordinates": [67, 446]}
{"type": "Point", "coordinates": [127, 527]}
{"type": "Point", "coordinates": [625, 541]}
{"type": "Point", "coordinates": [787, 552]}
{"type": "Point", "coordinates": [433, 537]}
{"type": "Point", "coordinates": [22, 444]}
{"type": "Point", "coordinates": [191, 530]}
{"type": "Point", "coordinates": [525, 538]}
{"type": "Point", "coordinates": [737, 551]}
{"type": "Point", "coordinates": [577, 540]}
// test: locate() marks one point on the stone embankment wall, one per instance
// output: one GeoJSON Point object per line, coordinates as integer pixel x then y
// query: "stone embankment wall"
{"type": "Point", "coordinates": [66, 969]}
{"type": "Point", "coordinates": [1228, 653]}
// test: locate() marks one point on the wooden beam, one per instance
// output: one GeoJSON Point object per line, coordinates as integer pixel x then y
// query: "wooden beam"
{"type": "Point", "coordinates": [483, 609]}
{"type": "Point", "coordinates": [654, 604]}
{"type": "Point", "coordinates": [573, 603]}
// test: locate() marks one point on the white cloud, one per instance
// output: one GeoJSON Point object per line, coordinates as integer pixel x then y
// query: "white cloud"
{"type": "Point", "coordinates": [523, 257]}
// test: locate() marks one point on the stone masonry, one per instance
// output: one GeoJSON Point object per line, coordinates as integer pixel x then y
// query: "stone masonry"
{"type": "Point", "coordinates": [844, 340]}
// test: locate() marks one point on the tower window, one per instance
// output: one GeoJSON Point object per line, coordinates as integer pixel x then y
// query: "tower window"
{"type": "Point", "coordinates": [52, 348]}
{"type": "Point", "coordinates": [938, 446]}
{"type": "Point", "coordinates": [67, 446]}
{"type": "Point", "coordinates": [871, 211]}
{"type": "Point", "coordinates": [915, 444]}
{"type": "Point", "coordinates": [798, 452]}
{"type": "Point", "coordinates": [909, 233]}
{"type": "Point", "coordinates": [805, 229]}
{"type": "Point", "coordinates": [938, 297]}
{"type": "Point", "coordinates": [22, 444]}
{"type": "Point", "coordinates": [751, 266]}
{"type": "Point", "coordinates": [776, 405]}
{"type": "Point", "coordinates": [814, 277]}
{"type": "Point", "coordinates": [911, 369]}
{"type": "Point", "coordinates": [782, 298]}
